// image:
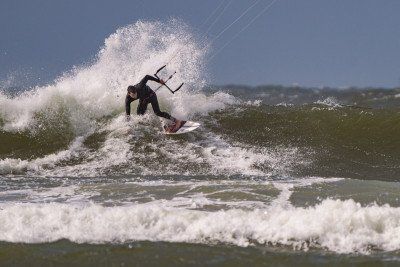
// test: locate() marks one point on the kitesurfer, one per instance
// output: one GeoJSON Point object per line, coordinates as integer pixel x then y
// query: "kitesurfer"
{"type": "Point", "coordinates": [145, 95]}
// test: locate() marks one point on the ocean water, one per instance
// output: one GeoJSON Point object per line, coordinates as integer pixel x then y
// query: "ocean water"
{"type": "Point", "coordinates": [274, 176]}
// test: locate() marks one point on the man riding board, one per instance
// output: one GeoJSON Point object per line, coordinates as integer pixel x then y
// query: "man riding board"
{"type": "Point", "coordinates": [145, 95]}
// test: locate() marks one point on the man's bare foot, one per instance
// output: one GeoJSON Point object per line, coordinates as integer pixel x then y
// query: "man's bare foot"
{"type": "Point", "coordinates": [169, 128]}
{"type": "Point", "coordinates": [174, 127]}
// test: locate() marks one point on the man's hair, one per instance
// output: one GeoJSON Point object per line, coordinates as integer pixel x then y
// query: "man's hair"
{"type": "Point", "coordinates": [132, 89]}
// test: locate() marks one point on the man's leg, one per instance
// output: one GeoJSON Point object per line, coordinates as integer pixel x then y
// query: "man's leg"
{"type": "Point", "coordinates": [142, 107]}
{"type": "Point", "coordinates": [156, 108]}
{"type": "Point", "coordinates": [177, 123]}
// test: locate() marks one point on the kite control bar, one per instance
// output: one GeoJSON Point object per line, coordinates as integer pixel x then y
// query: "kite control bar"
{"type": "Point", "coordinates": [160, 69]}
{"type": "Point", "coordinates": [165, 82]}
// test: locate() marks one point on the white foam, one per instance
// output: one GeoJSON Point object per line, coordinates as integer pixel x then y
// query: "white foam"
{"type": "Point", "coordinates": [255, 103]}
{"type": "Point", "coordinates": [189, 104]}
{"type": "Point", "coordinates": [329, 101]}
{"type": "Point", "coordinates": [340, 226]}
{"type": "Point", "coordinates": [230, 158]}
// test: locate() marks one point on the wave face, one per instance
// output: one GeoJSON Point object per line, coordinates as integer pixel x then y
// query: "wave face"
{"type": "Point", "coordinates": [237, 137]}
{"type": "Point", "coordinates": [261, 170]}
{"type": "Point", "coordinates": [342, 141]}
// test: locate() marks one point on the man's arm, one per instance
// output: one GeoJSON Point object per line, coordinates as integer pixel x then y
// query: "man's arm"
{"type": "Point", "coordinates": [128, 101]}
{"type": "Point", "coordinates": [150, 78]}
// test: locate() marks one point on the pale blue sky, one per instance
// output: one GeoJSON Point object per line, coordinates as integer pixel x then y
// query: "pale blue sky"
{"type": "Point", "coordinates": [309, 42]}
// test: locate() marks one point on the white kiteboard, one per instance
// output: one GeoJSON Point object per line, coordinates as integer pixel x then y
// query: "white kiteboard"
{"type": "Point", "coordinates": [186, 127]}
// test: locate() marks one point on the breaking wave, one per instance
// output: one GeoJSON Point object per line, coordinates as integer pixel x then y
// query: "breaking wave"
{"type": "Point", "coordinates": [76, 126]}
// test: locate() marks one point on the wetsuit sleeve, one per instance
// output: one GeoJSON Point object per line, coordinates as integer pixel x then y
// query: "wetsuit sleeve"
{"type": "Point", "coordinates": [148, 78]}
{"type": "Point", "coordinates": [128, 101]}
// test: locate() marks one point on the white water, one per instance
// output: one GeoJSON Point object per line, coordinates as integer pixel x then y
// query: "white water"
{"type": "Point", "coordinates": [342, 226]}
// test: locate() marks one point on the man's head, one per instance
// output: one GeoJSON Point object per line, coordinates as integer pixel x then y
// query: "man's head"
{"type": "Point", "coordinates": [132, 91]}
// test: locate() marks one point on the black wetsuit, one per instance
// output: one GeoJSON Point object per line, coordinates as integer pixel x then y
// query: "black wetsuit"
{"type": "Point", "coordinates": [145, 96]}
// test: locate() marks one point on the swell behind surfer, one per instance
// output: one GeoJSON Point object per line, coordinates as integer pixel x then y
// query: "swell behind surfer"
{"type": "Point", "coordinates": [145, 95]}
